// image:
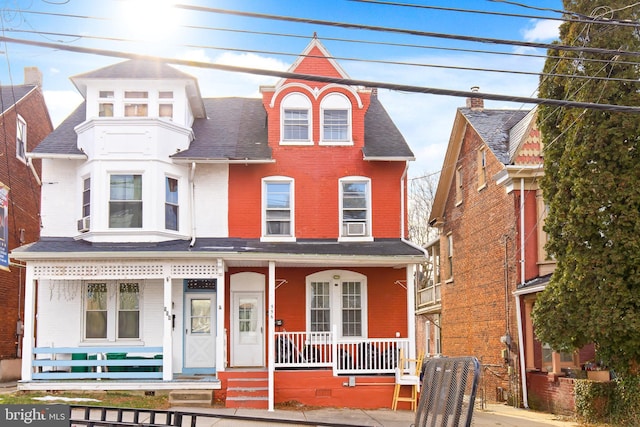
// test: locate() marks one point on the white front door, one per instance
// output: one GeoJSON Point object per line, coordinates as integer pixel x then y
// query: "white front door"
{"type": "Point", "coordinates": [247, 333]}
{"type": "Point", "coordinates": [200, 331]}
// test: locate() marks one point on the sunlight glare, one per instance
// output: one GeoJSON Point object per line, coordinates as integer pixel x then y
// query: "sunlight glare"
{"type": "Point", "coordinates": [150, 20]}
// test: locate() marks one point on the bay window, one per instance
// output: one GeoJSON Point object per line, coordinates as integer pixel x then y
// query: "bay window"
{"type": "Point", "coordinates": [125, 203]}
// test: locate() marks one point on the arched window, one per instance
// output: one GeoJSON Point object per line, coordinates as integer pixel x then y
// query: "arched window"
{"type": "Point", "coordinates": [296, 123]}
{"type": "Point", "coordinates": [335, 115]}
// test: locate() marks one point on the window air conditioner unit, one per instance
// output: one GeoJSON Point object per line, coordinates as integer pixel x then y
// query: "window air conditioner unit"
{"type": "Point", "coordinates": [356, 228]}
{"type": "Point", "coordinates": [84, 224]}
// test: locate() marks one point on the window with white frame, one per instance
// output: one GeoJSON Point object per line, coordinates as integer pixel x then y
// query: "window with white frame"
{"type": "Point", "coordinates": [449, 256]}
{"type": "Point", "coordinates": [112, 311]}
{"type": "Point", "coordinates": [21, 139]}
{"type": "Point", "coordinates": [136, 104]}
{"type": "Point", "coordinates": [86, 197]}
{"type": "Point", "coordinates": [337, 297]}
{"type": "Point", "coordinates": [336, 119]}
{"type": "Point", "coordinates": [105, 103]}
{"type": "Point", "coordinates": [296, 119]}
{"type": "Point", "coordinates": [482, 167]}
{"type": "Point", "coordinates": [171, 207]}
{"type": "Point", "coordinates": [125, 202]}
{"type": "Point", "coordinates": [165, 104]}
{"type": "Point", "coordinates": [458, 186]}
{"type": "Point", "coordinates": [278, 207]}
{"type": "Point", "coordinates": [355, 207]}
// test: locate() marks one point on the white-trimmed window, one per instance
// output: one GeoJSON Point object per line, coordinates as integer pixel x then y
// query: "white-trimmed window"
{"type": "Point", "coordinates": [86, 197]}
{"type": "Point", "coordinates": [449, 257]}
{"type": "Point", "coordinates": [125, 202]}
{"type": "Point", "coordinates": [458, 186]}
{"type": "Point", "coordinates": [112, 311]}
{"type": "Point", "coordinates": [136, 103]}
{"type": "Point", "coordinates": [105, 103]}
{"type": "Point", "coordinates": [171, 206]}
{"type": "Point", "coordinates": [296, 120]}
{"type": "Point", "coordinates": [337, 297]}
{"type": "Point", "coordinates": [21, 139]}
{"type": "Point", "coordinates": [355, 208]}
{"type": "Point", "coordinates": [278, 203]}
{"type": "Point", "coordinates": [482, 167]}
{"type": "Point", "coordinates": [165, 104]}
{"type": "Point", "coordinates": [336, 120]}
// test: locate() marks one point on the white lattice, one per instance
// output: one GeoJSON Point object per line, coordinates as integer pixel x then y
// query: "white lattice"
{"type": "Point", "coordinates": [120, 269]}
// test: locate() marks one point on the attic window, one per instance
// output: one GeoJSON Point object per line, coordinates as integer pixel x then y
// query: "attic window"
{"type": "Point", "coordinates": [336, 120]}
{"type": "Point", "coordinates": [136, 104]}
{"type": "Point", "coordinates": [105, 106]}
{"type": "Point", "coordinates": [165, 105]}
{"type": "Point", "coordinates": [296, 120]}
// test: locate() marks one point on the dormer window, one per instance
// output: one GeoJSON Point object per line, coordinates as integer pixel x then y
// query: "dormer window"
{"type": "Point", "coordinates": [136, 104]}
{"type": "Point", "coordinates": [336, 120]}
{"type": "Point", "coordinates": [296, 120]}
{"type": "Point", "coordinates": [105, 104]}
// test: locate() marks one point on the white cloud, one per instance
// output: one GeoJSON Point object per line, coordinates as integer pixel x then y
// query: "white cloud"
{"type": "Point", "coordinates": [541, 30]}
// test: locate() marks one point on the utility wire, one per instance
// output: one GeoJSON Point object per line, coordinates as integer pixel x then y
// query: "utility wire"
{"type": "Point", "coordinates": [325, 79]}
{"type": "Point", "coordinates": [340, 58]}
{"type": "Point", "coordinates": [593, 50]}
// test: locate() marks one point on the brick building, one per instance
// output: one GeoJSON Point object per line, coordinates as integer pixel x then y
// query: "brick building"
{"type": "Point", "coordinates": [24, 123]}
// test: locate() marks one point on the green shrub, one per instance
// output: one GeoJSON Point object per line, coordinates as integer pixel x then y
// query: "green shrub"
{"type": "Point", "coordinates": [615, 402]}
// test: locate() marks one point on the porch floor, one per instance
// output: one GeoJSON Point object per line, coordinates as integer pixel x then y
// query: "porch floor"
{"type": "Point", "coordinates": [179, 382]}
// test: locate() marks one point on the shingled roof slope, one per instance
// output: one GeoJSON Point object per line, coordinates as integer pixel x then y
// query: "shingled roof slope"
{"type": "Point", "coordinates": [493, 127]}
{"type": "Point", "coordinates": [10, 95]}
{"type": "Point", "coordinates": [381, 136]}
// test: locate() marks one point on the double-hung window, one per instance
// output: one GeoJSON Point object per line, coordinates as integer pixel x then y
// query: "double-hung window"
{"type": "Point", "coordinates": [355, 208]}
{"type": "Point", "coordinates": [125, 203]}
{"type": "Point", "coordinates": [337, 297]}
{"type": "Point", "coordinates": [105, 103]}
{"type": "Point", "coordinates": [278, 217]}
{"type": "Point", "coordinates": [458, 186]}
{"type": "Point", "coordinates": [165, 104]}
{"type": "Point", "coordinates": [21, 139]}
{"type": "Point", "coordinates": [336, 120]}
{"type": "Point", "coordinates": [296, 120]}
{"type": "Point", "coordinates": [112, 311]}
{"type": "Point", "coordinates": [171, 204]}
{"type": "Point", "coordinates": [482, 168]}
{"type": "Point", "coordinates": [136, 104]}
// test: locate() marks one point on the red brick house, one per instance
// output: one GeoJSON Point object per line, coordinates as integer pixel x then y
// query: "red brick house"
{"type": "Point", "coordinates": [491, 259]}
{"type": "Point", "coordinates": [250, 247]}
{"type": "Point", "coordinates": [24, 122]}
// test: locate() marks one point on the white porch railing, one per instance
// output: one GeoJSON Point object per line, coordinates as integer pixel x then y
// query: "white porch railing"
{"type": "Point", "coordinates": [345, 356]}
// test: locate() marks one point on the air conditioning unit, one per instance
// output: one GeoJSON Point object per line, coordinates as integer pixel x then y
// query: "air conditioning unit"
{"type": "Point", "coordinates": [356, 228]}
{"type": "Point", "coordinates": [84, 224]}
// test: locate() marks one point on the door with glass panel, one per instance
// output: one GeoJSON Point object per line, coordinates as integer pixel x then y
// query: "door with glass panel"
{"type": "Point", "coordinates": [200, 331]}
{"type": "Point", "coordinates": [247, 329]}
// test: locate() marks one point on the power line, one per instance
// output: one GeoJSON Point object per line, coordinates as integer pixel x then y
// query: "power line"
{"type": "Point", "coordinates": [593, 50]}
{"type": "Point", "coordinates": [325, 79]}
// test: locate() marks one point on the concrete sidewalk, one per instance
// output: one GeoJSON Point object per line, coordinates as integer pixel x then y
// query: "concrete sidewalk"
{"type": "Point", "coordinates": [493, 415]}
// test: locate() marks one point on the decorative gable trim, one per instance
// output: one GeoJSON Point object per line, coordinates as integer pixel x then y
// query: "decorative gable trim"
{"type": "Point", "coordinates": [316, 92]}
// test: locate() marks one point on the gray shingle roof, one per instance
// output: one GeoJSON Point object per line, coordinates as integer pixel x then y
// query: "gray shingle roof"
{"type": "Point", "coordinates": [64, 140]}
{"type": "Point", "coordinates": [493, 127]}
{"type": "Point", "coordinates": [135, 69]}
{"type": "Point", "coordinates": [235, 128]}
{"type": "Point", "coordinates": [10, 95]}
{"type": "Point", "coordinates": [379, 247]}
{"type": "Point", "coordinates": [381, 136]}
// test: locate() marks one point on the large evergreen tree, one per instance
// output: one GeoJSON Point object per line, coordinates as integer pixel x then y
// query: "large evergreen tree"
{"type": "Point", "coordinates": [592, 188]}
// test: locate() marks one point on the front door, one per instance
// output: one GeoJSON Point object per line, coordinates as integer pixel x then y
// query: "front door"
{"type": "Point", "coordinates": [200, 332]}
{"type": "Point", "coordinates": [248, 329]}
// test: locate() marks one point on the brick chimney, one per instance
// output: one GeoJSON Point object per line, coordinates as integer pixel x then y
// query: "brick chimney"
{"type": "Point", "coordinates": [475, 103]}
{"type": "Point", "coordinates": [33, 76]}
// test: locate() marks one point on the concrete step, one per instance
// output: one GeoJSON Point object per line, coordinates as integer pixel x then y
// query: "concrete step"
{"type": "Point", "coordinates": [248, 392]}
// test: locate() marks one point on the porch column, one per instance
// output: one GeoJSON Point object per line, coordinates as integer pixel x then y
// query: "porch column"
{"type": "Point", "coordinates": [411, 307]}
{"type": "Point", "coordinates": [271, 330]}
{"type": "Point", "coordinates": [167, 330]}
{"type": "Point", "coordinates": [29, 321]}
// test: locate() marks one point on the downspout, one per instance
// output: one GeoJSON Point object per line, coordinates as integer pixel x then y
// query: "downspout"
{"type": "Point", "coordinates": [411, 270]}
{"type": "Point", "coordinates": [192, 204]}
{"type": "Point", "coordinates": [523, 368]}
{"type": "Point", "coordinates": [523, 373]}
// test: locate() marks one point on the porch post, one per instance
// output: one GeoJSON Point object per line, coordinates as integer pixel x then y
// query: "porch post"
{"type": "Point", "coordinates": [411, 307]}
{"type": "Point", "coordinates": [29, 320]}
{"type": "Point", "coordinates": [167, 339]}
{"type": "Point", "coordinates": [271, 330]}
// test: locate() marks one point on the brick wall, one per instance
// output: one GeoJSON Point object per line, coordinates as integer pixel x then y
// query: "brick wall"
{"type": "Point", "coordinates": [477, 304]}
{"type": "Point", "coordinates": [551, 394]}
{"type": "Point", "coordinates": [24, 207]}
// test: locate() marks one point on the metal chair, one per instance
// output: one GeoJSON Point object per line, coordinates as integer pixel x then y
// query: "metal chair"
{"type": "Point", "coordinates": [448, 392]}
{"type": "Point", "coordinates": [406, 376]}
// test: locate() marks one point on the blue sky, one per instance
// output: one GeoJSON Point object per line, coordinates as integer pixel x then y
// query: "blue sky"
{"type": "Point", "coordinates": [424, 120]}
